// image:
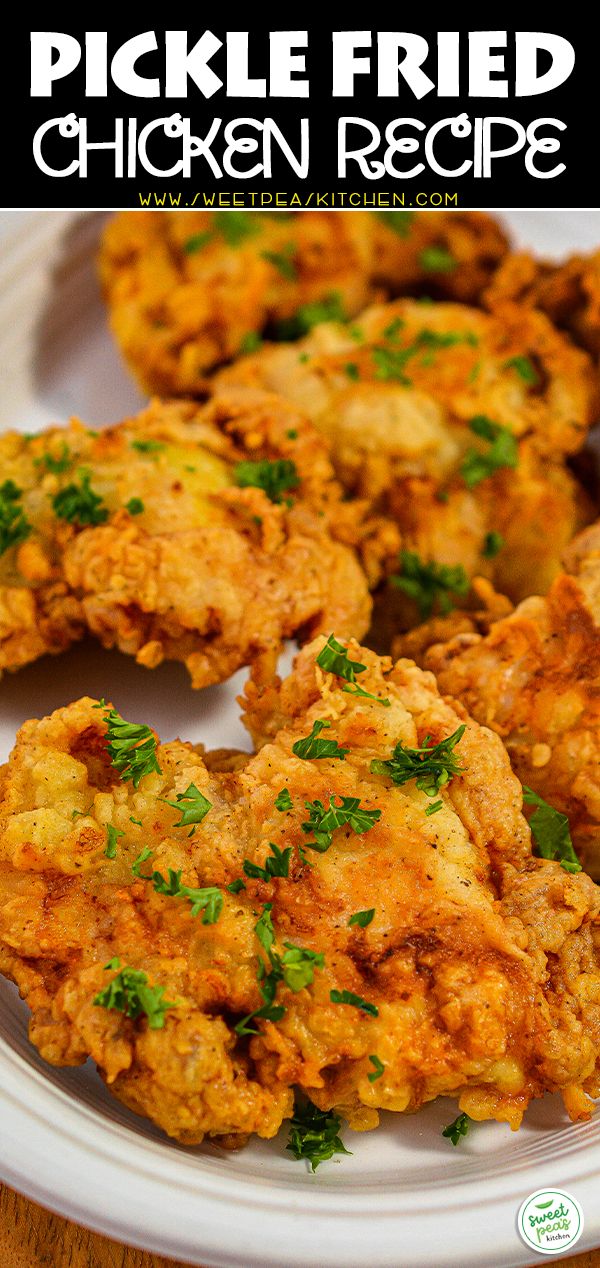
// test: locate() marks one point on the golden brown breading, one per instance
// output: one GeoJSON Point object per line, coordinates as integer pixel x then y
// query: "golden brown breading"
{"type": "Point", "coordinates": [569, 292]}
{"type": "Point", "coordinates": [446, 254]}
{"type": "Point", "coordinates": [480, 965]}
{"type": "Point", "coordinates": [534, 677]}
{"type": "Point", "coordinates": [186, 289]}
{"type": "Point", "coordinates": [395, 393]}
{"type": "Point", "coordinates": [163, 555]}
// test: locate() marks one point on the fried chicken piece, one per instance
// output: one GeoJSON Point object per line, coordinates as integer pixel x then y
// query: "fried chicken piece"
{"type": "Point", "coordinates": [149, 535]}
{"type": "Point", "coordinates": [569, 292]}
{"type": "Point", "coordinates": [401, 394]}
{"type": "Point", "coordinates": [534, 678]}
{"type": "Point", "coordinates": [188, 290]}
{"type": "Point", "coordinates": [474, 974]}
{"type": "Point", "coordinates": [446, 254]}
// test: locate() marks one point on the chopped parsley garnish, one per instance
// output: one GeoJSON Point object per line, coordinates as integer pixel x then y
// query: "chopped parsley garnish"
{"type": "Point", "coordinates": [437, 260]}
{"type": "Point", "coordinates": [78, 503]}
{"type": "Point", "coordinates": [235, 886]}
{"type": "Point", "coordinates": [251, 342]}
{"type": "Point", "coordinates": [283, 261]}
{"type": "Point", "coordinates": [378, 1068]}
{"type": "Point", "coordinates": [209, 901]}
{"type": "Point", "coordinates": [55, 465]}
{"type": "Point", "coordinates": [197, 242]}
{"type": "Point", "coordinates": [131, 747]}
{"type": "Point", "coordinates": [274, 478]}
{"type": "Point", "coordinates": [311, 747]}
{"type": "Point", "coordinates": [235, 226]}
{"type": "Point", "coordinates": [308, 315]}
{"type": "Point", "coordinates": [112, 836]}
{"type": "Point", "coordinates": [551, 832]}
{"type": "Point", "coordinates": [334, 658]}
{"type": "Point", "coordinates": [322, 823]}
{"type": "Point", "coordinates": [399, 221]}
{"type": "Point", "coordinates": [457, 1129]}
{"type": "Point", "coordinates": [503, 451]}
{"type": "Point", "coordinates": [296, 967]}
{"type": "Point", "coordinates": [135, 506]}
{"type": "Point", "coordinates": [362, 918]}
{"type": "Point", "coordinates": [431, 765]}
{"type": "Point", "coordinates": [283, 801]}
{"type": "Point", "coordinates": [148, 446]}
{"type": "Point", "coordinates": [129, 993]}
{"type": "Point", "coordinates": [352, 371]}
{"type": "Point", "coordinates": [433, 808]}
{"type": "Point", "coordinates": [191, 804]}
{"type": "Point", "coordinates": [390, 362]}
{"type": "Point", "coordinates": [431, 585]}
{"type": "Point", "coordinates": [348, 997]}
{"type": "Point", "coordinates": [277, 864]}
{"type": "Point", "coordinates": [525, 369]}
{"type": "Point", "coordinates": [314, 1135]}
{"type": "Point", "coordinates": [493, 543]}
{"type": "Point", "coordinates": [14, 527]}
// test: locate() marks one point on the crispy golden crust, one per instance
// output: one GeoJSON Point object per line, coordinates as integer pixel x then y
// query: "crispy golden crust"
{"type": "Point", "coordinates": [569, 292]}
{"type": "Point", "coordinates": [472, 245]}
{"type": "Point", "coordinates": [206, 572]}
{"type": "Point", "coordinates": [534, 677]}
{"type": "Point", "coordinates": [395, 401]}
{"type": "Point", "coordinates": [185, 289]}
{"type": "Point", "coordinates": [481, 961]}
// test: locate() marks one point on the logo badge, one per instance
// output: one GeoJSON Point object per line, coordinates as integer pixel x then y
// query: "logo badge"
{"type": "Point", "coordinates": [549, 1221]}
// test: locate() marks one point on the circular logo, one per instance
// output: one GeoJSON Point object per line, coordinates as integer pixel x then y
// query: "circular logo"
{"type": "Point", "coordinates": [549, 1221]}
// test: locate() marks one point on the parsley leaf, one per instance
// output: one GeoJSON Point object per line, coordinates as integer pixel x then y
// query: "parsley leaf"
{"type": "Point", "coordinates": [525, 369]}
{"type": "Point", "coordinates": [398, 221]}
{"type": "Point", "coordinates": [197, 242]}
{"type": "Point", "coordinates": [274, 477]}
{"type": "Point", "coordinates": [431, 765]}
{"type": "Point", "coordinates": [235, 226]}
{"type": "Point", "coordinates": [56, 465]}
{"type": "Point", "coordinates": [192, 804]}
{"type": "Point", "coordinates": [129, 993]}
{"type": "Point", "coordinates": [362, 918]}
{"type": "Point", "coordinates": [437, 260]}
{"type": "Point", "coordinates": [348, 997]}
{"type": "Point", "coordinates": [235, 886]}
{"type": "Point", "coordinates": [299, 964]}
{"type": "Point", "coordinates": [135, 506]}
{"type": "Point", "coordinates": [378, 1070]}
{"type": "Point", "coordinates": [131, 747]}
{"type": "Point", "coordinates": [295, 967]}
{"type": "Point", "coordinates": [493, 543]}
{"type": "Point", "coordinates": [209, 901]}
{"type": "Point", "coordinates": [112, 836]}
{"type": "Point", "coordinates": [334, 658]}
{"type": "Point", "coordinates": [308, 315]}
{"type": "Point", "coordinates": [314, 1135]}
{"type": "Point", "coordinates": [311, 747]}
{"type": "Point", "coordinates": [14, 527]}
{"type": "Point", "coordinates": [458, 1128]}
{"type": "Point", "coordinates": [283, 261]}
{"type": "Point", "coordinates": [433, 808]}
{"type": "Point", "coordinates": [78, 504]}
{"type": "Point", "coordinates": [431, 585]}
{"type": "Point", "coordinates": [148, 446]}
{"type": "Point", "coordinates": [277, 864]}
{"type": "Point", "coordinates": [503, 451]}
{"type": "Point", "coordinates": [251, 342]}
{"type": "Point", "coordinates": [283, 801]}
{"type": "Point", "coordinates": [551, 832]}
{"type": "Point", "coordinates": [323, 823]}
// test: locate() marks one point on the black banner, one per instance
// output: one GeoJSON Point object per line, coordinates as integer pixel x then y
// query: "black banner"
{"type": "Point", "coordinates": [315, 117]}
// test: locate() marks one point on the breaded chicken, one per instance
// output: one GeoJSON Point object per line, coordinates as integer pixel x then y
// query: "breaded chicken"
{"type": "Point", "coordinates": [534, 678]}
{"type": "Point", "coordinates": [205, 534]}
{"type": "Point", "coordinates": [362, 888]}
{"type": "Point", "coordinates": [457, 422]}
{"type": "Point", "coordinates": [188, 290]}
{"type": "Point", "coordinates": [569, 292]}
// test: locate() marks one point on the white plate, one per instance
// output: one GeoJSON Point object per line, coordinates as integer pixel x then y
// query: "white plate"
{"type": "Point", "coordinates": [405, 1196]}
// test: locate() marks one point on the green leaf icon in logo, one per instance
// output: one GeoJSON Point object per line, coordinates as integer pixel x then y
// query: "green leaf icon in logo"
{"type": "Point", "coordinates": [543, 1206]}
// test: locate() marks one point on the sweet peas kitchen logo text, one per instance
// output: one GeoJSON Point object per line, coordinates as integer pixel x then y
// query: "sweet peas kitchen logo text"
{"type": "Point", "coordinates": [550, 1221]}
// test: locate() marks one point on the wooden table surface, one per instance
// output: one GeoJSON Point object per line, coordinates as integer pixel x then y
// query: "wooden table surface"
{"type": "Point", "coordinates": [33, 1238]}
